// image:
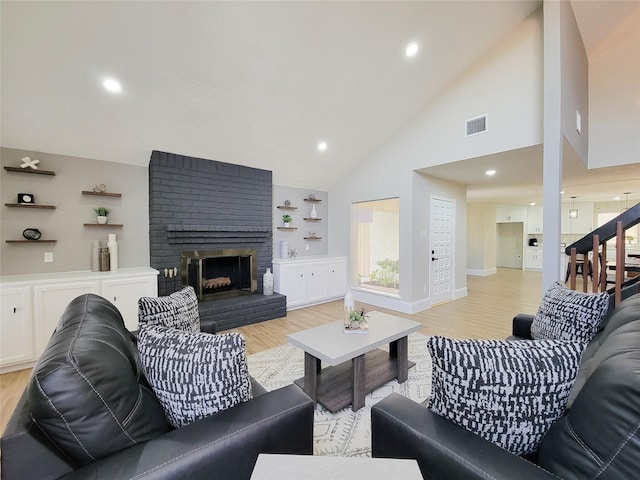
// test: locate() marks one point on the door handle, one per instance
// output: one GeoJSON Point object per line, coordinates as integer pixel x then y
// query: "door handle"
{"type": "Point", "coordinates": [433, 259]}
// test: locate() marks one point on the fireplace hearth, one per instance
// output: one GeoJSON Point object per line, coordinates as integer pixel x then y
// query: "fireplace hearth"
{"type": "Point", "coordinates": [216, 274]}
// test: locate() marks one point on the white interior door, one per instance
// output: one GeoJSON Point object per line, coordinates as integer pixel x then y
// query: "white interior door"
{"type": "Point", "coordinates": [442, 234]}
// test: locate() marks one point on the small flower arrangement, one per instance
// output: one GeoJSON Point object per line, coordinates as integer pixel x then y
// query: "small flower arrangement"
{"type": "Point", "coordinates": [356, 321]}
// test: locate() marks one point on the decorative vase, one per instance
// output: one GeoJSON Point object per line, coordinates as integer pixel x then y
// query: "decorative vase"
{"type": "Point", "coordinates": [267, 283]}
{"type": "Point", "coordinates": [101, 219]}
{"type": "Point", "coordinates": [286, 224]}
{"type": "Point", "coordinates": [313, 213]}
{"type": "Point", "coordinates": [112, 244]}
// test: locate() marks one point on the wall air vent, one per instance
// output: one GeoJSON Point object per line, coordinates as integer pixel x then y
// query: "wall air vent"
{"type": "Point", "coordinates": [476, 125]}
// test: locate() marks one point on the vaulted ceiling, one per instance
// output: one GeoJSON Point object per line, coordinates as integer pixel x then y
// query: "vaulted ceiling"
{"type": "Point", "coordinates": [253, 83]}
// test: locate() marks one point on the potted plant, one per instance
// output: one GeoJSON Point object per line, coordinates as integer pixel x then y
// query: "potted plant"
{"type": "Point", "coordinates": [101, 214]}
{"type": "Point", "coordinates": [286, 219]}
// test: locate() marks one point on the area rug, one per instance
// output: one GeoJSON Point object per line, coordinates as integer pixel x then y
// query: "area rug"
{"type": "Point", "coordinates": [345, 433]}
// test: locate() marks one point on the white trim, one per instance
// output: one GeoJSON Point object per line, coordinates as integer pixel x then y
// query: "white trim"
{"type": "Point", "coordinates": [481, 273]}
{"type": "Point", "coordinates": [387, 301]}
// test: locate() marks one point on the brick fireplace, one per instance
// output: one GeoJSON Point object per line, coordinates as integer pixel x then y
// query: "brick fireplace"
{"type": "Point", "coordinates": [199, 205]}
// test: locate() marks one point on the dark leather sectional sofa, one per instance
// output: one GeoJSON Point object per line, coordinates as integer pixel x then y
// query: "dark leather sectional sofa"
{"type": "Point", "coordinates": [92, 346]}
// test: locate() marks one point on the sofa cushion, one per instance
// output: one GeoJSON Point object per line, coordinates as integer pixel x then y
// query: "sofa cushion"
{"type": "Point", "coordinates": [194, 374]}
{"type": "Point", "coordinates": [566, 314]}
{"type": "Point", "coordinates": [508, 392]}
{"type": "Point", "coordinates": [178, 310]}
{"type": "Point", "coordinates": [599, 436]}
{"type": "Point", "coordinates": [85, 392]}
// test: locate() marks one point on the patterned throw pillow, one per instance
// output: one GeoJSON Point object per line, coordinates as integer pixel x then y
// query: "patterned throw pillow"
{"type": "Point", "coordinates": [569, 315]}
{"type": "Point", "coordinates": [194, 374]}
{"type": "Point", "coordinates": [507, 392]}
{"type": "Point", "coordinates": [178, 310]}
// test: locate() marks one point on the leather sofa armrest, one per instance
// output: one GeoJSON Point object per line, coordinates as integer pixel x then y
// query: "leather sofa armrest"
{"type": "Point", "coordinates": [402, 428]}
{"type": "Point", "coordinates": [223, 446]}
{"type": "Point", "coordinates": [521, 326]}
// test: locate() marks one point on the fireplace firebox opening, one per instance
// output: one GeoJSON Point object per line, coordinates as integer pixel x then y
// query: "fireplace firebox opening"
{"type": "Point", "coordinates": [222, 273]}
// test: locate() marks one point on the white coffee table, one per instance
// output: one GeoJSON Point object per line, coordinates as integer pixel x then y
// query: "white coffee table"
{"type": "Point", "coordinates": [308, 467]}
{"type": "Point", "coordinates": [342, 382]}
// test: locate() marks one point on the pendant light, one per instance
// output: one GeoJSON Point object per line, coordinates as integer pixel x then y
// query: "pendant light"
{"type": "Point", "coordinates": [573, 212]}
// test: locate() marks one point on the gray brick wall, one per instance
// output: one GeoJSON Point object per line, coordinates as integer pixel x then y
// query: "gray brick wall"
{"type": "Point", "coordinates": [195, 203]}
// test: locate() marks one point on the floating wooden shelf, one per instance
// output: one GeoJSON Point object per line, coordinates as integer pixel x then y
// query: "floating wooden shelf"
{"type": "Point", "coordinates": [312, 200]}
{"type": "Point", "coordinates": [284, 207]}
{"type": "Point", "coordinates": [115, 225]}
{"type": "Point", "coordinates": [29, 170]}
{"type": "Point", "coordinates": [28, 205]}
{"type": "Point", "coordinates": [313, 238]}
{"type": "Point", "coordinates": [312, 219]}
{"type": "Point", "coordinates": [287, 228]}
{"type": "Point", "coordinates": [101, 194]}
{"type": "Point", "coordinates": [31, 241]}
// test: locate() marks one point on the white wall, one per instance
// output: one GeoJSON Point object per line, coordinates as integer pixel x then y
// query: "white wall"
{"type": "Point", "coordinates": [614, 98]}
{"type": "Point", "coordinates": [481, 239]}
{"type": "Point", "coordinates": [506, 84]}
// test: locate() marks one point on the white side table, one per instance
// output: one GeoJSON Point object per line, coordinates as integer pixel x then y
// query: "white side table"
{"type": "Point", "coordinates": [309, 467]}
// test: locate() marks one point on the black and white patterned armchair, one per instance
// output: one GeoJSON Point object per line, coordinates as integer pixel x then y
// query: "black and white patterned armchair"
{"type": "Point", "coordinates": [597, 436]}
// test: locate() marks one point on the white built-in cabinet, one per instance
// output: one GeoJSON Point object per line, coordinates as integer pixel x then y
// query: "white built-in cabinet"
{"type": "Point", "coordinates": [33, 304]}
{"type": "Point", "coordinates": [310, 281]}
{"type": "Point", "coordinates": [16, 327]}
{"type": "Point", "coordinates": [583, 224]}
{"type": "Point", "coordinates": [510, 213]}
{"type": "Point", "coordinates": [534, 219]}
{"type": "Point", "coordinates": [533, 258]}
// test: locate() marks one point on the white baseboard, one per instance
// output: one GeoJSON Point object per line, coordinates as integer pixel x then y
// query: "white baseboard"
{"type": "Point", "coordinates": [481, 273]}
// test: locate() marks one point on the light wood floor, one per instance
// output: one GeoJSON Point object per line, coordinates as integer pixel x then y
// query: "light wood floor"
{"type": "Point", "coordinates": [485, 313]}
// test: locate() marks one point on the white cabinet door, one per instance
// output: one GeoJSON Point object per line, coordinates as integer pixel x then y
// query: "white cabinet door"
{"type": "Point", "coordinates": [291, 282]}
{"type": "Point", "coordinates": [534, 219]}
{"type": "Point", "coordinates": [124, 293]}
{"type": "Point", "coordinates": [49, 303]}
{"type": "Point", "coordinates": [508, 214]}
{"type": "Point", "coordinates": [533, 259]}
{"type": "Point", "coordinates": [583, 224]}
{"type": "Point", "coordinates": [337, 277]}
{"type": "Point", "coordinates": [16, 325]}
{"type": "Point", "coordinates": [316, 281]}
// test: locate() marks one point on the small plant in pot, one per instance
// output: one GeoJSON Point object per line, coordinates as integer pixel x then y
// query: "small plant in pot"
{"type": "Point", "coordinates": [101, 214]}
{"type": "Point", "coordinates": [286, 219]}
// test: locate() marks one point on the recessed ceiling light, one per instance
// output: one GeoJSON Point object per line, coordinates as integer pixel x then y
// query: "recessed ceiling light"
{"type": "Point", "coordinates": [490, 172]}
{"type": "Point", "coordinates": [616, 198]}
{"type": "Point", "coordinates": [533, 204]}
{"type": "Point", "coordinates": [112, 85]}
{"type": "Point", "coordinates": [562, 192]}
{"type": "Point", "coordinates": [322, 146]}
{"type": "Point", "coordinates": [411, 50]}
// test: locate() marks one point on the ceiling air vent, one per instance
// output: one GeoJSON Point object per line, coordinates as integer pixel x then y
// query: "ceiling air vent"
{"type": "Point", "coordinates": [476, 125]}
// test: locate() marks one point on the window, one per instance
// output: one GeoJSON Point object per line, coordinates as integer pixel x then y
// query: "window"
{"type": "Point", "coordinates": [377, 244]}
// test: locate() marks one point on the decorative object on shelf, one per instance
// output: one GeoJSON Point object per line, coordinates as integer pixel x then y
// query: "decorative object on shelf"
{"type": "Point", "coordinates": [287, 203]}
{"type": "Point", "coordinates": [31, 234]}
{"type": "Point", "coordinates": [28, 163]}
{"type": "Point", "coordinates": [112, 245]}
{"type": "Point", "coordinates": [99, 188]}
{"type": "Point", "coordinates": [267, 283]}
{"type": "Point", "coordinates": [101, 214]}
{"type": "Point", "coordinates": [104, 259]}
{"type": "Point", "coordinates": [26, 199]}
{"type": "Point", "coordinates": [286, 219]}
{"type": "Point", "coordinates": [95, 256]}
{"type": "Point", "coordinates": [312, 196]}
{"type": "Point", "coordinates": [292, 253]}
{"type": "Point", "coordinates": [313, 213]}
{"type": "Point", "coordinates": [284, 249]}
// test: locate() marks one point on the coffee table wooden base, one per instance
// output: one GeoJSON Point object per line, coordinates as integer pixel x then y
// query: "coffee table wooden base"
{"type": "Point", "coordinates": [334, 388]}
